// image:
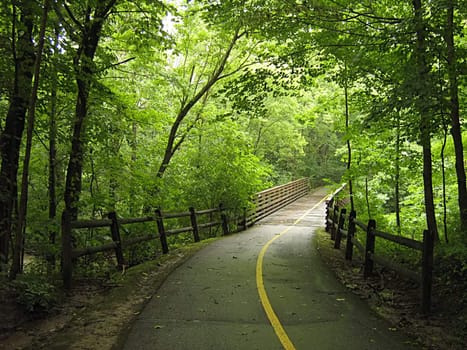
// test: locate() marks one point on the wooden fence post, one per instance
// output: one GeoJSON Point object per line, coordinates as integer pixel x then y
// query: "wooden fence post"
{"type": "Point", "coordinates": [370, 248]}
{"type": "Point", "coordinates": [244, 219]}
{"type": "Point", "coordinates": [162, 235]}
{"type": "Point", "coordinates": [194, 224]}
{"type": "Point", "coordinates": [67, 250]}
{"type": "Point", "coordinates": [340, 227]}
{"type": "Point", "coordinates": [350, 235]}
{"type": "Point", "coordinates": [427, 271]}
{"type": "Point", "coordinates": [335, 217]}
{"type": "Point", "coordinates": [225, 225]}
{"type": "Point", "coordinates": [115, 232]}
{"type": "Point", "coordinates": [329, 205]}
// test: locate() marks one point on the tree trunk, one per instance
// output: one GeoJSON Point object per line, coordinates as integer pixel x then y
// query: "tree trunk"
{"type": "Point", "coordinates": [456, 130]}
{"type": "Point", "coordinates": [84, 69]}
{"type": "Point", "coordinates": [349, 146]}
{"type": "Point", "coordinates": [22, 210]}
{"type": "Point", "coordinates": [52, 178]}
{"type": "Point", "coordinates": [10, 140]}
{"type": "Point", "coordinates": [443, 172]}
{"type": "Point", "coordinates": [422, 102]}
{"type": "Point", "coordinates": [83, 63]}
{"type": "Point", "coordinates": [172, 144]}
{"type": "Point", "coordinates": [397, 199]}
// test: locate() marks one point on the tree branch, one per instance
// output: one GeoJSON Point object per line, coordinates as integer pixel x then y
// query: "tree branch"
{"type": "Point", "coordinates": [116, 64]}
{"type": "Point", "coordinates": [72, 16]}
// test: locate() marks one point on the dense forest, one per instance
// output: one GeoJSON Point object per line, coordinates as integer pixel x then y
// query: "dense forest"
{"type": "Point", "coordinates": [128, 106]}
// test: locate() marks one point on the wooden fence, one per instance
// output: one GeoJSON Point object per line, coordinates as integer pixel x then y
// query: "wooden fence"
{"type": "Point", "coordinates": [117, 244]}
{"type": "Point", "coordinates": [264, 203]}
{"type": "Point", "coordinates": [340, 225]}
{"type": "Point", "coordinates": [268, 201]}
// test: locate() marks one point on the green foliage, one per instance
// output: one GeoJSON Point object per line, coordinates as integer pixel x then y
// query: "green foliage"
{"type": "Point", "coordinates": [218, 167]}
{"type": "Point", "coordinates": [35, 293]}
{"type": "Point", "coordinates": [277, 112]}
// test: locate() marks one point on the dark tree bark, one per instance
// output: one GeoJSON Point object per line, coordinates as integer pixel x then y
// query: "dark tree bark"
{"type": "Point", "coordinates": [52, 176]}
{"type": "Point", "coordinates": [83, 63]}
{"type": "Point", "coordinates": [10, 140]}
{"type": "Point", "coordinates": [22, 210]}
{"type": "Point", "coordinates": [456, 131]}
{"type": "Point", "coordinates": [84, 70]}
{"type": "Point", "coordinates": [422, 89]}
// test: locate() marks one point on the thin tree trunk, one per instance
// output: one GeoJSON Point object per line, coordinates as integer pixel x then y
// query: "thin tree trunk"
{"type": "Point", "coordinates": [52, 179]}
{"type": "Point", "coordinates": [422, 104]}
{"type": "Point", "coordinates": [443, 170]}
{"type": "Point", "coordinates": [367, 198]}
{"type": "Point", "coordinates": [442, 155]}
{"type": "Point", "coordinates": [22, 210]}
{"type": "Point", "coordinates": [398, 175]}
{"type": "Point", "coordinates": [10, 140]}
{"type": "Point", "coordinates": [113, 184]}
{"type": "Point", "coordinates": [172, 144]}
{"type": "Point", "coordinates": [349, 146]}
{"type": "Point", "coordinates": [134, 156]}
{"type": "Point", "coordinates": [456, 130]}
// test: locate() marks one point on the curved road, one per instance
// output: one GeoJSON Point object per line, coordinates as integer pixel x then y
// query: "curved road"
{"type": "Point", "coordinates": [227, 295]}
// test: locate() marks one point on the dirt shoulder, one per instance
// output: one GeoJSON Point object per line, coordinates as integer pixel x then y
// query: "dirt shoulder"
{"type": "Point", "coordinates": [398, 301]}
{"type": "Point", "coordinates": [97, 315]}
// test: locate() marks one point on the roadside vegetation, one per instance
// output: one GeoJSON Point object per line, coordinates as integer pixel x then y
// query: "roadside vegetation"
{"type": "Point", "coordinates": [130, 106]}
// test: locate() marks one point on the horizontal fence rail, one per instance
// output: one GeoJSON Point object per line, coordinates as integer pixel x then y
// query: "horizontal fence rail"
{"type": "Point", "coordinates": [268, 201]}
{"type": "Point", "coordinates": [265, 203]}
{"type": "Point", "coordinates": [342, 225]}
{"type": "Point", "coordinates": [115, 225]}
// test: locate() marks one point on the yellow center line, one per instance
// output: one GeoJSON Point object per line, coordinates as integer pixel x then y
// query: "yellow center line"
{"type": "Point", "coordinates": [263, 296]}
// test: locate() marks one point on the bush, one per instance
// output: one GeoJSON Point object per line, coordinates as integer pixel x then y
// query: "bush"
{"type": "Point", "coordinates": [35, 293]}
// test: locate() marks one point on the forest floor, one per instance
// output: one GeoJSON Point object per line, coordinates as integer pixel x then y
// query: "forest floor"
{"type": "Point", "coordinates": [97, 314]}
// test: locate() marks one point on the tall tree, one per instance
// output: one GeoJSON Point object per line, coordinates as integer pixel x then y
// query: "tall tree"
{"type": "Point", "coordinates": [423, 106]}
{"type": "Point", "coordinates": [22, 49]}
{"type": "Point", "coordinates": [21, 221]}
{"type": "Point", "coordinates": [90, 30]}
{"type": "Point", "coordinates": [456, 130]}
{"type": "Point", "coordinates": [200, 76]}
{"type": "Point", "coordinates": [52, 133]}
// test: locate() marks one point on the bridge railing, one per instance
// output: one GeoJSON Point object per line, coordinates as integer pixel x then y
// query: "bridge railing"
{"type": "Point", "coordinates": [268, 201]}
{"type": "Point", "coordinates": [340, 225]}
{"type": "Point", "coordinates": [265, 203]}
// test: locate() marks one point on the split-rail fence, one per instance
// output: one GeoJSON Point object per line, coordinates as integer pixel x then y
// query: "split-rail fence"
{"type": "Point", "coordinates": [342, 225]}
{"type": "Point", "coordinates": [263, 203]}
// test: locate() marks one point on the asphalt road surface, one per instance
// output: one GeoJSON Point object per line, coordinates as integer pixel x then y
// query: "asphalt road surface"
{"type": "Point", "coordinates": [265, 289]}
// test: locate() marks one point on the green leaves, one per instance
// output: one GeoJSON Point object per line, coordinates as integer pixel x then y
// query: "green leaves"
{"type": "Point", "coordinates": [35, 294]}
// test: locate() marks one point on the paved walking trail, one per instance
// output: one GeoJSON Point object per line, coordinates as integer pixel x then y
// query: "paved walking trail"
{"type": "Point", "coordinates": [217, 300]}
